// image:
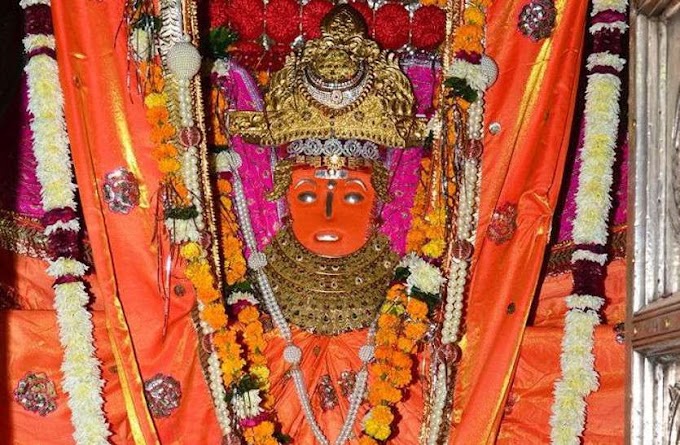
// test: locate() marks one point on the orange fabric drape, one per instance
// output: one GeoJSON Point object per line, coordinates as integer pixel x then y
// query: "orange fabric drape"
{"type": "Point", "coordinates": [533, 100]}
{"type": "Point", "coordinates": [527, 411]}
{"type": "Point", "coordinates": [108, 130]}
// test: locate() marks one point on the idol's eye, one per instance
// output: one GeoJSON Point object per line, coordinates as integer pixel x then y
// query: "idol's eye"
{"type": "Point", "coordinates": [354, 198]}
{"type": "Point", "coordinates": [307, 197]}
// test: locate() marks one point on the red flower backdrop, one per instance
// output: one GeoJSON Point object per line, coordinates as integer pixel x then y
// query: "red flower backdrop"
{"type": "Point", "coordinates": [282, 21]}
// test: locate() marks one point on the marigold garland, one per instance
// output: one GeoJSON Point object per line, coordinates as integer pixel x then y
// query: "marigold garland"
{"type": "Point", "coordinates": [402, 324]}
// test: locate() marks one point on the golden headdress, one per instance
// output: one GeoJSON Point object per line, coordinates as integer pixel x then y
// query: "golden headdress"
{"type": "Point", "coordinates": [340, 86]}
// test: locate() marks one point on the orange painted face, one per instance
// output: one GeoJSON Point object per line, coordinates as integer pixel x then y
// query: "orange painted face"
{"type": "Point", "coordinates": [331, 217]}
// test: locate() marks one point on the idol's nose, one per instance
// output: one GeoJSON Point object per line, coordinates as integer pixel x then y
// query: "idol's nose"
{"type": "Point", "coordinates": [329, 204]}
{"type": "Point", "coordinates": [329, 199]}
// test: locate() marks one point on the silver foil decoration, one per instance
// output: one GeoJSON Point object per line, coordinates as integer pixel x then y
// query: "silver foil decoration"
{"type": "Point", "coordinates": [537, 19]}
{"type": "Point", "coordinates": [36, 393]}
{"type": "Point", "coordinates": [163, 395]}
{"type": "Point", "coordinates": [121, 191]}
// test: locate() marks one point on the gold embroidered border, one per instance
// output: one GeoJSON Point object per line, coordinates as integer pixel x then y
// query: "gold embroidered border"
{"type": "Point", "coordinates": [22, 235]}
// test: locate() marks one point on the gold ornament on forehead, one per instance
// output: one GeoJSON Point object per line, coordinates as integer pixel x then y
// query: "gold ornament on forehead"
{"type": "Point", "coordinates": [339, 86]}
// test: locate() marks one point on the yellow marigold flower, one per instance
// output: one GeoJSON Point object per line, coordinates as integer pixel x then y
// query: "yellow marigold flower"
{"type": "Point", "coordinates": [155, 100]}
{"type": "Point", "coordinates": [376, 429]}
{"type": "Point", "coordinates": [474, 16]}
{"type": "Point", "coordinates": [260, 372]}
{"type": "Point", "coordinates": [190, 251]}
{"type": "Point", "coordinates": [169, 165]}
{"type": "Point", "coordinates": [434, 248]}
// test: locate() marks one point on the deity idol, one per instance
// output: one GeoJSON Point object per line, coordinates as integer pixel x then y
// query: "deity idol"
{"type": "Point", "coordinates": [346, 361]}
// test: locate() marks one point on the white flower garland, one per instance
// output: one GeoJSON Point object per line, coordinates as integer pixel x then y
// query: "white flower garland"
{"type": "Point", "coordinates": [593, 203]}
{"type": "Point", "coordinates": [54, 170]}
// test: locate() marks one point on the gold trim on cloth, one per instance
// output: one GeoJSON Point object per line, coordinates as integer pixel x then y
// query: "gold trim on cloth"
{"type": "Point", "coordinates": [22, 235]}
{"type": "Point", "coordinates": [329, 295]}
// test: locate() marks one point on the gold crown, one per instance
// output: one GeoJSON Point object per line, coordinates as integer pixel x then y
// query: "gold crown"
{"type": "Point", "coordinates": [340, 86]}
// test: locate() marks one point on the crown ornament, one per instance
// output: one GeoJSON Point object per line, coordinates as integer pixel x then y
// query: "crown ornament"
{"type": "Point", "coordinates": [340, 86]}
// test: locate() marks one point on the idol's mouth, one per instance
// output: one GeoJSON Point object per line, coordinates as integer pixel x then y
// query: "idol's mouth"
{"type": "Point", "coordinates": [327, 237]}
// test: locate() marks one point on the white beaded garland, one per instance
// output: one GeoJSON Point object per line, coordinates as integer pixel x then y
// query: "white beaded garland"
{"type": "Point", "coordinates": [366, 353]}
{"type": "Point", "coordinates": [257, 261]}
{"type": "Point", "coordinates": [292, 354]}
{"type": "Point", "coordinates": [184, 60]}
{"type": "Point", "coordinates": [489, 69]}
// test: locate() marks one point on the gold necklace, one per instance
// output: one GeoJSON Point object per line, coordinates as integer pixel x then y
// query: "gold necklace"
{"type": "Point", "coordinates": [329, 296]}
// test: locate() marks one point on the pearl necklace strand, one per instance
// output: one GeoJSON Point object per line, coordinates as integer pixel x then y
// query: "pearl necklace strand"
{"type": "Point", "coordinates": [292, 353]}
{"type": "Point", "coordinates": [458, 268]}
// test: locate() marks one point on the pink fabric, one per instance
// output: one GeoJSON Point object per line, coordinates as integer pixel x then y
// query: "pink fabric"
{"type": "Point", "coordinates": [404, 166]}
{"type": "Point", "coordinates": [256, 170]}
{"type": "Point", "coordinates": [423, 73]}
{"type": "Point", "coordinates": [19, 186]}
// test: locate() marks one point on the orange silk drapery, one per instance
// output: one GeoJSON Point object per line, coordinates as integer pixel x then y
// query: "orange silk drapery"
{"type": "Point", "coordinates": [533, 101]}
{"type": "Point", "coordinates": [108, 130]}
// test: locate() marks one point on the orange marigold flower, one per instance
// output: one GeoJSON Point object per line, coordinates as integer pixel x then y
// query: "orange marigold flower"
{"type": "Point", "coordinates": [405, 344]}
{"type": "Point", "coordinates": [223, 338]}
{"type": "Point", "coordinates": [415, 331]}
{"type": "Point", "coordinates": [385, 337]}
{"type": "Point", "coordinates": [401, 360]}
{"type": "Point", "coordinates": [367, 440]}
{"type": "Point", "coordinates": [399, 377]}
{"type": "Point", "coordinates": [157, 115]}
{"type": "Point", "coordinates": [383, 352]}
{"type": "Point", "coordinates": [214, 315]}
{"type": "Point", "coordinates": [382, 414]}
{"type": "Point", "coordinates": [248, 315]}
{"type": "Point", "coordinates": [379, 370]}
{"type": "Point", "coordinates": [165, 151]}
{"type": "Point", "coordinates": [169, 165]}
{"type": "Point", "coordinates": [236, 272]}
{"type": "Point", "coordinates": [224, 186]}
{"type": "Point", "coordinates": [388, 321]}
{"type": "Point", "coordinates": [253, 330]}
{"type": "Point", "coordinates": [396, 292]}
{"type": "Point", "coordinates": [416, 309]}
{"type": "Point", "coordinates": [208, 294]}
{"type": "Point", "coordinates": [383, 392]}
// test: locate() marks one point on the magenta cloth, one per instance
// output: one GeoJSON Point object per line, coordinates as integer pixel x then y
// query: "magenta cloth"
{"type": "Point", "coordinates": [423, 73]}
{"type": "Point", "coordinates": [19, 186]}
{"type": "Point", "coordinates": [404, 166]}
